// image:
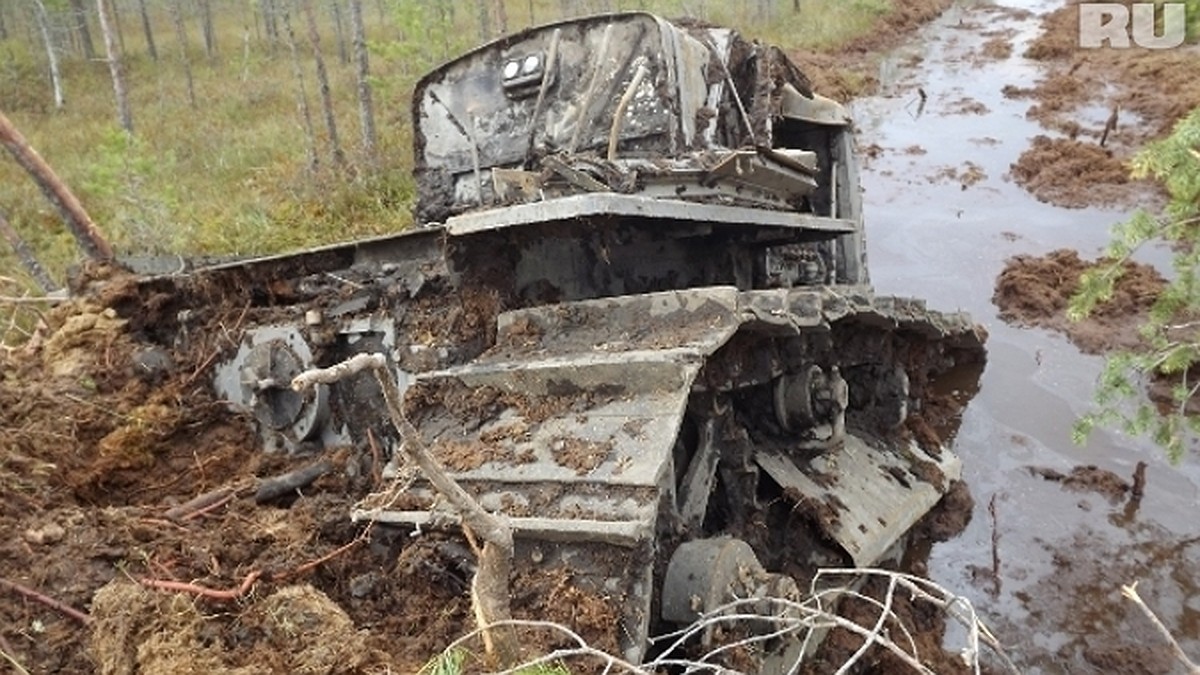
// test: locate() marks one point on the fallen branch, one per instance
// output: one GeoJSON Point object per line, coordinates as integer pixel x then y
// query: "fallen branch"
{"type": "Point", "coordinates": [202, 591]}
{"type": "Point", "coordinates": [1130, 592]}
{"type": "Point", "coordinates": [288, 483]}
{"type": "Point", "coordinates": [47, 601]}
{"type": "Point", "coordinates": [489, 587]}
{"type": "Point", "coordinates": [56, 191]}
{"type": "Point", "coordinates": [200, 504]}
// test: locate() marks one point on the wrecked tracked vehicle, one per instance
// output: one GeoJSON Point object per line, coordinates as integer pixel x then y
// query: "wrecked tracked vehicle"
{"type": "Point", "coordinates": [635, 318]}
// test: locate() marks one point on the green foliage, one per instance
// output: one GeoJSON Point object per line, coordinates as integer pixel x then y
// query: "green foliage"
{"type": "Point", "coordinates": [449, 662]}
{"type": "Point", "coordinates": [1172, 331]}
{"type": "Point", "coordinates": [1192, 12]}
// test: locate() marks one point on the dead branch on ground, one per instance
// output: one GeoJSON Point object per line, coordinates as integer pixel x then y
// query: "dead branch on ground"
{"type": "Point", "coordinates": [56, 191]}
{"type": "Point", "coordinates": [290, 482]}
{"type": "Point", "coordinates": [1130, 592]}
{"type": "Point", "coordinates": [201, 504]}
{"type": "Point", "coordinates": [47, 601]}
{"type": "Point", "coordinates": [489, 588]}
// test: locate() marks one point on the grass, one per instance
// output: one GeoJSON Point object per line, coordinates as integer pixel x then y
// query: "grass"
{"type": "Point", "coordinates": [230, 176]}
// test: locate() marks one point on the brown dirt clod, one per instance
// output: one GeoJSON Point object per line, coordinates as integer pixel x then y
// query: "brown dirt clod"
{"type": "Point", "coordinates": [1035, 291]}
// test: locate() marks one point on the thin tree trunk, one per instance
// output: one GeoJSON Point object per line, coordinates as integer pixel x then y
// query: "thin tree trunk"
{"type": "Point", "coordinates": [362, 71]}
{"type": "Point", "coordinates": [124, 117]}
{"type": "Point", "coordinates": [116, 24]}
{"type": "Point", "coordinates": [3, 25]}
{"type": "Point", "coordinates": [206, 25]}
{"type": "Point", "coordinates": [314, 38]}
{"type": "Point", "coordinates": [150, 47]}
{"type": "Point", "coordinates": [270, 23]}
{"type": "Point", "coordinates": [43, 23]}
{"type": "Point", "coordinates": [82, 32]}
{"type": "Point", "coordinates": [181, 36]}
{"type": "Point", "coordinates": [302, 91]}
{"type": "Point", "coordinates": [26, 256]}
{"type": "Point", "coordinates": [78, 221]}
{"type": "Point", "coordinates": [339, 31]}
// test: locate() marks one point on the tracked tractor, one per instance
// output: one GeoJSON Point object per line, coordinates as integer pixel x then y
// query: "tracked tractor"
{"type": "Point", "coordinates": [634, 317]}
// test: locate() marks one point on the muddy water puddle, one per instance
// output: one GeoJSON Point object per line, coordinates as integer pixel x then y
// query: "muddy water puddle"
{"type": "Point", "coordinates": [1044, 564]}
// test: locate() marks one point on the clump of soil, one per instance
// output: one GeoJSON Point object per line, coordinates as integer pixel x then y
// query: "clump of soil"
{"type": "Point", "coordinates": [1089, 478]}
{"type": "Point", "coordinates": [1072, 173]}
{"type": "Point", "coordinates": [1035, 291]}
{"type": "Point", "coordinates": [296, 629]}
{"type": "Point", "coordinates": [965, 106]}
{"type": "Point", "coordinates": [968, 175]}
{"type": "Point", "coordinates": [997, 48]}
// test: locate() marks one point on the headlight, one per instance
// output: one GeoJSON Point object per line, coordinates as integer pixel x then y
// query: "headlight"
{"type": "Point", "coordinates": [531, 64]}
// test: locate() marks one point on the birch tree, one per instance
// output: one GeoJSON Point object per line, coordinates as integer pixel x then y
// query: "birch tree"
{"type": "Point", "coordinates": [82, 33]}
{"type": "Point", "coordinates": [43, 22]}
{"type": "Point", "coordinates": [301, 90]}
{"type": "Point", "coordinates": [184, 59]}
{"type": "Point", "coordinates": [107, 27]}
{"type": "Point", "coordinates": [206, 27]}
{"type": "Point", "coordinates": [339, 30]}
{"type": "Point", "coordinates": [314, 39]}
{"type": "Point", "coordinates": [362, 71]}
{"type": "Point", "coordinates": [151, 48]}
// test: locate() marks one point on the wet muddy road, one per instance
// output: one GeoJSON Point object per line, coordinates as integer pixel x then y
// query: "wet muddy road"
{"type": "Point", "coordinates": [1043, 564]}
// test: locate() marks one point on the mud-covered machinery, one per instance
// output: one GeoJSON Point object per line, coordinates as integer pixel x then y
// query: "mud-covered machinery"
{"type": "Point", "coordinates": [635, 318]}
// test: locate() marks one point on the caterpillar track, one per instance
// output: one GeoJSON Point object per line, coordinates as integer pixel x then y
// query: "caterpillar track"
{"type": "Point", "coordinates": [636, 319]}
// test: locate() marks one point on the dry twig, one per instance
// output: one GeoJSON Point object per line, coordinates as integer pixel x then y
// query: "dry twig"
{"type": "Point", "coordinates": [1130, 592]}
{"type": "Point", "coordinates": [201, 504]}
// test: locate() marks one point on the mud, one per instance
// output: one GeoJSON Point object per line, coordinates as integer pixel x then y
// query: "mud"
{"type": "Point", "coordinates": [1043, 564]}
{"type": "Point", "coordinates": [1036, 290]}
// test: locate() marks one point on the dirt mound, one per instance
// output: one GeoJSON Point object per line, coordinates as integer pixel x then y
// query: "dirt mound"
{"type": "Point", "coordinates": [1124, 96]}
{"type": "Point", "coordinates": [850, 71]}
{"type": "Point", "coordinates": [1035, 291]}
{"type": "Point", "coordinates": [1072, 173]}
{"type": "Point", "coordinates": [296, 629]}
